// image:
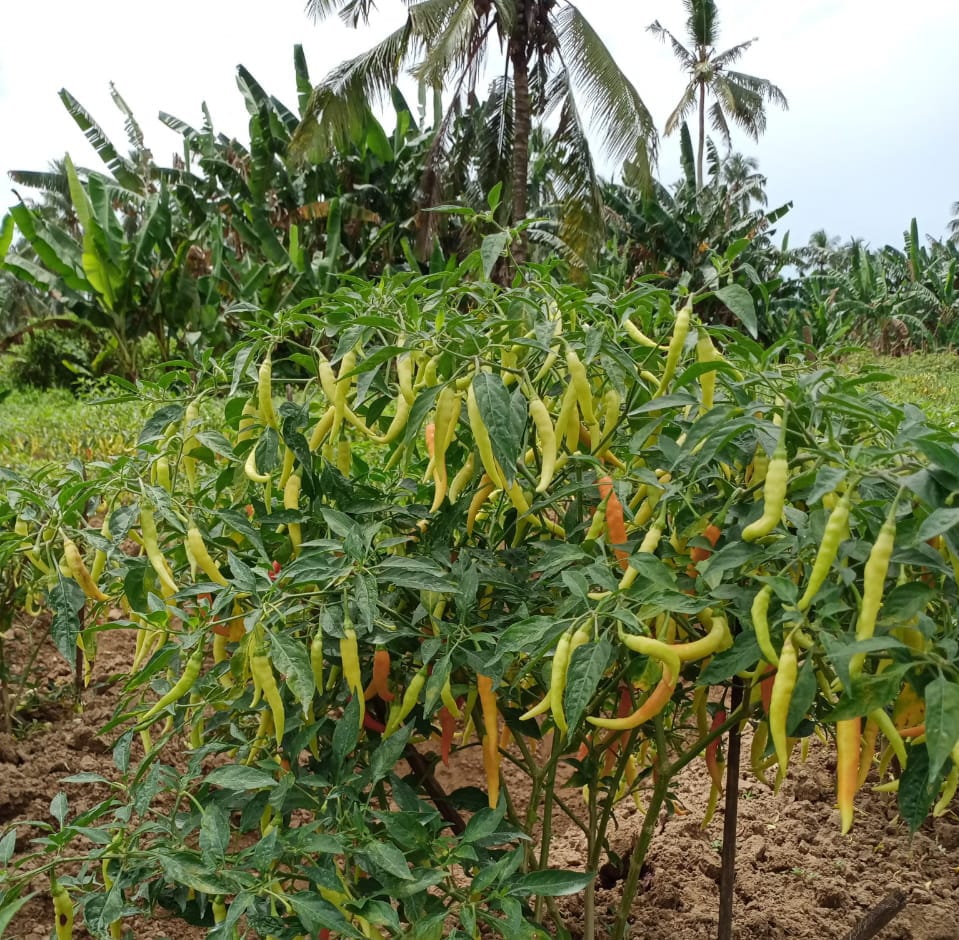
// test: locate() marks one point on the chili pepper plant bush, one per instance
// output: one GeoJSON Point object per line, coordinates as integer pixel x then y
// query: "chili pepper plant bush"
{"type": "Point", "coordinates": [551, 524]}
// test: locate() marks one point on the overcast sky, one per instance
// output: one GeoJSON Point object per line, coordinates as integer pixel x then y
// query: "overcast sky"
{"type": "Point", "coordinates": [871, 138]}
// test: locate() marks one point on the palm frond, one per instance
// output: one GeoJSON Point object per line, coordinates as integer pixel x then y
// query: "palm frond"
{"type": "Point", "coordinates": [454, 47]}
{"type": "Point", "coordinates": [762, 87]}
{"type": "Point", "coordinates": [686, 58]}
{"type": "Point", "coordinates": [723, 59]}
{"type": "Point", "coordinates": [50, 181]}
{"type": "Point", "coordinates": [682, 110]}
{"type": "Point", "coordinates": [702, 21]}
{"type": "Point", "coordinates": [303, 84]}
{"type": "Point", "coordinates": [334, 108]}
{"type": "Point", "coordinates": [350, 11]}
{"type": "Point", "coordinates": [576, 184]}
{"type": "Point", "coordinates": [616, 109]}
{"type": "Point", "coordinates": [717, 118]}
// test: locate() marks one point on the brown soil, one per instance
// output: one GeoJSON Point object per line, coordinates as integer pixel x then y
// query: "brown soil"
{"type": "Point", "coordinates": [797, 877]}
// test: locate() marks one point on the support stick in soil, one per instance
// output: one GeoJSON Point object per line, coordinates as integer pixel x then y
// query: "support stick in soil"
{"type": "Point", "coordinates": [879, 916]}
{"type": "Point", "coordinates": [727, 880]}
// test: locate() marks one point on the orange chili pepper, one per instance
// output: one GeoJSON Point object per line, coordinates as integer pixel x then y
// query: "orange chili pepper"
{"type": "Point", "coordinates": [491, 757]}
{"type": "Point", "coordinates": [615, 524]}
{"type": "Point", "coordinates": [379, 684]}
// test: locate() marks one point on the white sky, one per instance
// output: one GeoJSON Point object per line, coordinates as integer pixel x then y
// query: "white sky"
{"type": "Point", "coordinates": [871, 138]}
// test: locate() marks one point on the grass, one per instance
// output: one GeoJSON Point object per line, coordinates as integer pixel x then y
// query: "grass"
{"type": "Point", "coordinates": [929, 380]}
{"type": "Point", "coordinates": [41, 427]}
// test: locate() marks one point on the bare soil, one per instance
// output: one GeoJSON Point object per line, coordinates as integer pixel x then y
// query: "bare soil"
{"type": "Point", "coordinates": [797, 877]}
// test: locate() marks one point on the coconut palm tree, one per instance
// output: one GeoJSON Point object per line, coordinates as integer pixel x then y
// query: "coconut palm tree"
{"type": "Point", "coordinates": [740, 98]}
{"type": "Point", "coordinates": [953, 226]}
{"type": "Point", "coordinates": [555, 64]}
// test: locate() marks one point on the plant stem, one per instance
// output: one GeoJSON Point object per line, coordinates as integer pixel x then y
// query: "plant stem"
{"type": "Point", "coordinates": [638, 855]}
{"type": "Point", "coordinates": [727, 880]}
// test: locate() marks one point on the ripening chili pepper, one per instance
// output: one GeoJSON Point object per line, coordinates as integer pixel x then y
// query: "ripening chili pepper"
{"type": "Point", "coordinates": [262, 669]}
{"type": "Point", "coordinates": [62, 911]}
{"type": "Point", "coordinates": [343, 381]}
{"type": "Point", "coordinates": [615, 523]}
{"type": "Point", "coordinates": [874, 576]}
{"type": "Point", "coordinates": [291, 502]}
{"type": "Point", "coordinates": [199, 551]}
{"type": "Point", "coordinates": [766, 690]}
{"type": "Point", "coordinates": [783, 686]}
{"type": "Point", "coordinates": [373, 724]}
{"type": "Point", "coordinates": [379, 683]}
{"type": "Point", "coordinates": [759, 614]}
{"type": "Point", "coordinates": [706, 352]}
{"type": "Point", "coordinates": [447, 730]}
{"type": "Point", "coordinates": [774, 492]}
{"type": "Point", "coordinates": [350, 656]}
{"type": "Point", "coordinates": [847, 769]}
{"type": "Point", "coordinates": [647, 547]}
{"type": "Point", "coordinates": [580, 381]}
{"type": "Point", "coordinates": [191, 672]}
{"type": "Point", "coordinates": [462, 478]}
{"type": "Point", "coordinates": [867, 750]}
{"type": "Point", "coordinates": [654, 703]}
{"type": "Point", "coordinates": [715, 639]}
{"type": "Point", "coordinates": [638, 335]}
{"type": "Point", "coordinates": [79, 571]}
{"type": "Point", "coordinates": [892, 734]}
{"type": "Point", "coordinates": [219, 910]}
{"type": "Point", "coordinates": [836, 528]}
{"type": "Point", "coordinates": [264, 392]}
{"type": "Point", "coordinates": [557, 681]}
{"type": "Point", "coordinates": [482, 494]}
{"type": "Point", "coordinates": [274, 570]}
{"type": "Point", "coordinates": [676, 343]}
{"type": "Point", "coordinates": [491, 757]}
{"type": "Point", "coordinates": [546, 436]}
{"type": "Point", "coordinates": [712, 752]}
{"type": "Point", "coordinates": [151, 546]}
{"type": "Point", "coordinates": [411, 696]}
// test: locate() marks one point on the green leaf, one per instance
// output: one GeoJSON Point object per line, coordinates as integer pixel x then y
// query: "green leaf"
{"type": "Point", "coordinates": [268, 451]}
{"type": "Point", "coordinates": [551, 884]}
{"type": "Point", "coordinates": [942, 723]}
{"type": "Point", "coordinates": [740, 303]}
{"type": "Point", "coordinates": [937, 522]}
{"type": "Point", "coordinates": [347, 731]}
{"type": "Point", "coordinates": [416, 573]}
{"type": "Point", "coordinates": [217, 443]}
{"type": "Point", "coordinates": [158, 422]}
{"type": "Point", "coordinates": [7, 845]}
{"type": "Point", "coordinates": [483, 824]}
{"type": "Point", "coordinates": [59, 807]}
{"type": "Point", "coordinates": [493, 401]}
{"type": "Point", "coordinates": [214, 833]}
{"type": "Point", "coordinates": [237, 777]}
{"type": "Point", "coordinates": [804, 694]}
{"type": "Point", "coordinates": [742, 655]}
{"type": "Point", "coordinates": [291, 659]}
{"type": "Point", "coordinates": [317, 914]}
{"type": "Point", "coordinates": [9, 910]}
{"type": "Point", "coordinates": [389, 752]}
{"type": "Point", "coordinates": [906, 601]}
{"type": "Point", "coordinates": [67, 600]}
{"type": "Point", "coordinates": [586, 668]}
{"type": "Point", "coordinates": [868, 693]}
{"type": "Point", "coordinates": [491, 250]}
{"type": "Point", "coordinates": [387, 858]}
{"type": "Point", "coordinates": [917, 790]}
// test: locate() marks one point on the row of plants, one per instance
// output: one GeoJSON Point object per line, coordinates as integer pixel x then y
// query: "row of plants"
{"type": "Point", "coordinates": [576, 531]}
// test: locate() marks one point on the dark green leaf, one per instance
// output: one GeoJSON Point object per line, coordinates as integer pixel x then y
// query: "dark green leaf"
{"type": "Point", "coordinates": [942, 723]}
{"type": "Point", "coordinates": [237, 777]}
{"type": "Point", "coordinates": [804, 694]}
{"type": "Point", "coordinates": [586, 668]}
{"type": "Point", "coordinates": [916, 790]}
{"type": "Point", "coordinates": [347, 731]}
{"type": "Point", "coordinates": [491, 250]}
{"type": "Point", "coordinates": [293, 663]}
{"type": "Point", "coordinates": [743, 654]}
{"type": "Point", "coordinates": [67, 600]}
{"type": "Point", "coordinates": [214, 833]}
{"type": "Point", "coordinates": [158, 422]}
{"type": "Point", "coordinates": [389, 752]}
{"type": "Point", "coordinates": [551, 883]}
{"type": "Point", "coordinates": [493, 401]}
{"type": "Point", "coordinates": [740, 303]}
{"type": "Point", "coordinates": [938, 521]}
{"type": "Point", "coordinates": [387, 858]}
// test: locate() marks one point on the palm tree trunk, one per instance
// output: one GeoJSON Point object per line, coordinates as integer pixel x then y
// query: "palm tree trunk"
{"type": "Point", "coordinates": [702, 136]}
{"type": "Point", "coordinates": [519, 58]}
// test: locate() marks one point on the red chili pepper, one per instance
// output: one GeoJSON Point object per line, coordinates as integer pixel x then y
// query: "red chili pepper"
{"type": "Point", "coordinates": [712, 752]}
{"type": "Point", "coordinates": [274, 571]}
{"type": "Point", "coordinates": [447, 730]}
{"type": "Point", "coordinates": [371, 724]}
